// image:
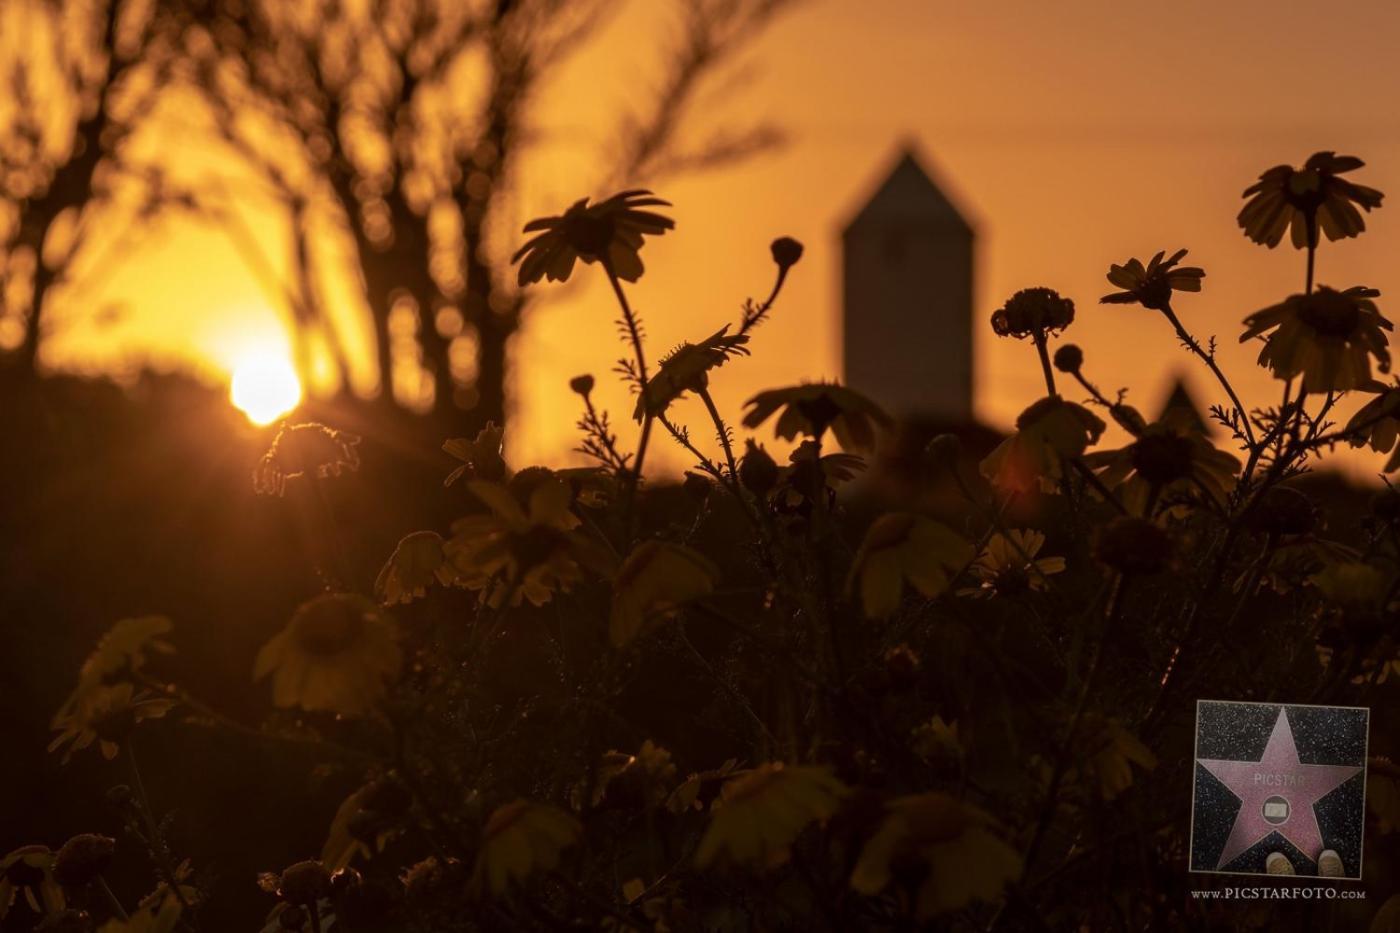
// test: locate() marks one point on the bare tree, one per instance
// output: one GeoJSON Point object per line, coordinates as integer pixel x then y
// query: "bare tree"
{"type": "Point", "coordinates": [409, 118]}
{"type": "Point", "coordinates": [83, 76]}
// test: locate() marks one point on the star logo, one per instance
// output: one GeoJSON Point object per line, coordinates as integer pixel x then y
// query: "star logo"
{"type": "Point", "coordinates": [1276, 794]}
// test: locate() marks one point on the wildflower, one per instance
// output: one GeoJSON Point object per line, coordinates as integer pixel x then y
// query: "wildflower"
{"type": "Point", "coordinates": [654, 580]}
{"type": "Point", "coordinates": [634, 782]}
{"type": "Point", "coordinates": [122, 650]}
{"type": "Point", "coordinates": [337, 654]}
{"type": "Point", "coordinates": [700, 789]}
{"type": "Point", "coordinates": [1109, 752]}
{"type": "Point", "coordinates": [964, 858]}
{"type": "Point", "coordinates": [1047, 433]}
{"type": "Point", "coordinates": [686, 369]}
{"type": "Point", "coordinates": [758, 472]}
{"type": "Point", "coordinates": [415, 564]}
{"type": "Point", "coordinates": [301, 450]}
{"type": "Point", "coordinates": [1377, 423]}
{"type": "Point", "coordinates": [304, 884]}
{"type": "Point", "coordinates": [610, 231]}
{"type": "Point", "coordinates": [524, 546]}
{"type": "Point", "coordinates": [1167, 458]}
{"type": "Point", "coordinates": [1008, 565]}
{"type": "Point", "coordinates": [29, 871]}
{"type": "Point", "coordinates": [760, 813]}
{"type": "Point", "coordinates": [1068, 358]}
{"type": "Point", "coordinates": [519, 840]}
{"type": "Point", "coordinates": [786, 252]}
{"type": "Point", "coordinates": [1328, 337]}
{"type": "Point", "coordinates": [583, 385]}
{"type": "Point", "coordinates": [1133, 546]}
{"type": "Point", "coordinates": [936, 741]}
{"type": "Point", "coordinates": [814, 408]}
{"type": "Point", "coordinates": [481, 457]}
{"type": "Point", "coordinates": [1152, 286]}
{"type": "Point", "coordinates": [902, 546]}
{"type": "Point", "coordinates": [105, 715]}
{"type": "Point", "coordinates": [82, 858]}
{"type": "Point", "coordinates": [1307, 200]}
{"type": "Point", "coordinates": [1033, 312]}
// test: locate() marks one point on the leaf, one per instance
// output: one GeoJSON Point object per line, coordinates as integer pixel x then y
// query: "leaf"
{"type": "Point", "coordinates": [761, 812]}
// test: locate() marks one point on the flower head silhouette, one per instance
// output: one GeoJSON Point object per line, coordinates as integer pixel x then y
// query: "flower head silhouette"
{"type": "Point", "coordinates": [686, 369]}
{"type": "Point", "coordinates": [1307, 200]}
{"type": "Point", "coordinates": [1046, 433]}
{"type": "Point", "coordinates": [1010, 565]}
{"type": "Point", "coordinates": [814, 408]}
{"type": "Point", "coordinates": [1327, 337]}
{"type": "Point", "coordinates": [610, 231]}
{"type": "Point", "coordinates": [1152, 285]}
{"type": "Point", "coordinates": [1033, 312]}
{"type": "Point", "coordinates": [337, 654]}
{"type": "Point", "coordinates": [1168, 457]}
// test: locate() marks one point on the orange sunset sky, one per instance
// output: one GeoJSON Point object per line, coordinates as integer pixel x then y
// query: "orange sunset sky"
{"type": "Point", "coordinates": [1074, 134]}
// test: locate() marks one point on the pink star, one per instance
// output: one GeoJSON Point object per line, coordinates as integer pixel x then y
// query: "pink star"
{"type": "Point", "coordinates": [1286, 785]}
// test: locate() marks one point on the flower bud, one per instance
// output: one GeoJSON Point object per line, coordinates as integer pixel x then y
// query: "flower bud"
{"type": "Point", "coordinates": [82, 859]}
{"type": "Point", "coordinates": [1069, 358]}
{"type": "Point", "coordinates": [304, 883]}
{"type": "Point", "coordinates": [1033, 312]}
{"type": "Point", "coordinates": [943, 451]}
{"type": "Point", "coordinates": [1283, 511]}
{"type": "Point", "coordinates": [786, 252]}
{"type": "Point", "coordinates": [1133, 546]}
{"type": "Point", "coordinates": [582, 384]}
{"type": "Point", "coordinates": [757, 471]}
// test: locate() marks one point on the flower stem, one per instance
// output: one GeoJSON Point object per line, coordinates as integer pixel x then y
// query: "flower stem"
{"type": "Point", "coordinates": [1045, 366]}
{"type": "Point", "coordinates": [635, 333]}
{"type": "Point", "coordinates": [722, 430]}
{"type": "Point", "coordinates": [1209, 360]}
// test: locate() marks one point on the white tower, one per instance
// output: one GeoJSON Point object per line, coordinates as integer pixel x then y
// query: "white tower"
{"type": "Point", "coordinates": [907, 299]}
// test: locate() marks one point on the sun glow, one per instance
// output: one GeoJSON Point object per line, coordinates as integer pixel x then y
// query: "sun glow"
{"type": "Point", "coordinates": [265, 386]}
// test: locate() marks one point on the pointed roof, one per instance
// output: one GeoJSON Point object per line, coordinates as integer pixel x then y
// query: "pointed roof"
{"type": "Point", "coordinates": [908, 193]}
{"type": "Point", "coordinates": [1179, 399]}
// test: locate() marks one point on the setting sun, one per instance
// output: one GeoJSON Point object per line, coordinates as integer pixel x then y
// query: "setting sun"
{"type": "Point", "coordinates": [265, 387]}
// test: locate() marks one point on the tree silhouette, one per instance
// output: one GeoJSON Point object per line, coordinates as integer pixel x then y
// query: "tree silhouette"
{"type": "Point", "coordinates": [405, 122]}
{"type": "Point", "coordinates": [82, 77]}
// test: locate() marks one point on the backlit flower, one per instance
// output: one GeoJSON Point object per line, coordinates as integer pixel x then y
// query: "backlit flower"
{"type": "Point", "coordinates": [120, 652]}
{"type": "Point", "coordinates": [654, 580]}
{"type": "Point", "coordinates": [416, 564]}
{"type": "Point", "coordinates": [1168, 459]}
{"type": "Point", "coordinates": [83, 858]}
{"type": "Point", "coordinates": [301, 450]}
{"type": "Point", "coordinates": [686, 369]}
{"type": "Point", "coordinates": [28, 871]}
{"type": "Point", "coordinates": [902, 546]}
{"type": "Point", "coordinates": [1008, 565]}
{"type": "Point", "coordinates": [610, 231]}
{"type": "Point", "coordinates": [481, 456]}
{"type": "Point", "coordinates": [1047, 433]}
{"type": "Point", "coordinates": [955, 844]}
{"type": "Point", "coordinates": [814, 408]}
{"type": "Point", "coordinates": [1327, 337]}
{"type": "Point", "coordinates": [1307, 200]}
{"type": "Point", "coordinates": [760, 813]}
{"type": "Point", "coordinates": [1377, 424]}
{"type": "Point", "coordinates": [521, 839]}
{"type": "Point", "coordinates": [1152, 285]}
{"type": "Point", "coordinates": [105, 715]}
{"type": "Point", "coordinates": [524, 546]}
{"type": "Point", "coordinates": [1033, 312]}
{"type": "Point", "coordinates": [338, 654]}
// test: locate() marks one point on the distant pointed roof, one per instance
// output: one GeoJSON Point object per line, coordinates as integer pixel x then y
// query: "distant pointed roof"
{"type": "Point", "coordinates": [1181, 401]}
{"type": "Point", "coordinates": [908, 193]}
